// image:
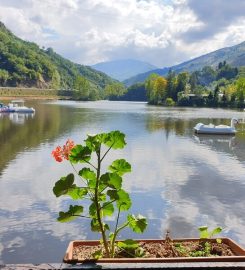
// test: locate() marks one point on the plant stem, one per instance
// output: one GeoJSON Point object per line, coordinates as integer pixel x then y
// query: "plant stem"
{"type": "Point", "coordinates": [106, 152]}
{"type": "Point", "coordinates": [98, 207]}
{"type": "Point", "coordinates": [120, 228]}
{"type": "Point", "coordinates": [80, 216]}
{"type": "Point", "coordinates": [114, 235]}
{"type": "Point", "coordinates": [105, 204]}
{"type": "Point", "coordinates": [89, 164]}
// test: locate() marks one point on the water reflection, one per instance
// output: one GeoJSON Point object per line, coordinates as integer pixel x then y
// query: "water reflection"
{"type": "Point", "coordinates": [222, 142]}
{"type": "Point", "coordinates": [179, 181]}
{"type": "Point", "coordinates": [18, 118]}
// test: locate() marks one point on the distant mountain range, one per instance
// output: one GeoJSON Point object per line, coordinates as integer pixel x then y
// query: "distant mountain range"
{"type": "Point", "coordinates": [123, 69]}
{"type": "Point", "coordinates": [24, 64]}
{"type": "Point", "coordinates": [234, 56]}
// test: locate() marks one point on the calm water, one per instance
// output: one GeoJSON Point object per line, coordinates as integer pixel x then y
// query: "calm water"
{"type": "Point", "coordinates": [179, 181]}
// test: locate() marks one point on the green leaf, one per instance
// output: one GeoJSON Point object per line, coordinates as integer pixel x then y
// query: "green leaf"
{"type": "Point", "coordinates": [73, 213]}
{"type": "Point", "coordinates": [203, 228]}
{"type": "Point", "coordinates": [92, 210]}
{"type": "Point", "coordinates": [216, 231]}
{"type": "Point", "coordinates": [112, 180]}
{"type": "Point", "coordinates": [120, 166]}
{"type": "Point", "coordinates": [114, 139]}
{"type": "Point", "coordinates": [124, 201]}
{"type": "Point", "coordinates": [80, 154]}
{"type": "Point", "coordinates": [113, 194]}
{"type": "Point", "coordinates": [128, 244]}
{"type": "Point", "coordinates": [106, 227]}
{"type": "Point", "coordinates": [87, 174]}
{"type": "Point", "coordinates": [203, 231]}
{"type": "Point", "coordinates": [139, 252]}
{"type": "Point", "coordinates": [121, 197]}
{"type": "Point", "coordinates": [132, 248]}
{"type": "Point", "coordinates": [108, 209]}
{"type": "Point", "coordinates": [219, 241]}
{"type": "Point", "coordinates": [95, 227]}
{"type": "Point", "coordinates": [102, 197]}
{"type": "Point", "coordinates": [137, 224]}
{"type": "Point", "coordinates": [111, 236]}
{"type": "Point", "coordinates": [97, 254]}
{"type": "Point", "coordinates": [63, 186]}
{"type": "Point", "coordinates": [93, 142]}
{"type": "Point", "coordinates": [77, 193]}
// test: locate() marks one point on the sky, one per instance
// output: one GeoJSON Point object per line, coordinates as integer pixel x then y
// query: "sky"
{"type": "Point", "coordinates": [160, 32]}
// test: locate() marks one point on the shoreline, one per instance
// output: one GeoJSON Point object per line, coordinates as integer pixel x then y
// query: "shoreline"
{"type": "Point", "coordinates": [33, 98]}
{"type": "Point", "coordinates": [10, 93]}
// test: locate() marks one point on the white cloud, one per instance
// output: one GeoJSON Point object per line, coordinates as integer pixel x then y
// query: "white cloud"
{"type": "Point", "coordinates": [161, 32]}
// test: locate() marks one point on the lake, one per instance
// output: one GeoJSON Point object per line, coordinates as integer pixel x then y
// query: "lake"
{"type": "Point", "coordinates": [179, 181]}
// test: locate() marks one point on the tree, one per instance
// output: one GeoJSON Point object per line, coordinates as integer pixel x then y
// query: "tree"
{"type": "Point", "coordinates": [115, 90]}
{"type": "Point", "coordinates": [216, 96]}
{"type": "Point", "coordinates": [224, 100]}
{"type": "Point", "coordinates": [135, 92]}
{"type": "Point", "coordinates": [159, 88]}
{"type": "Point", "coordinates": [227, 72]}
{"type": "Point", "coordinates": [149, 86]}
{"type": "Point", "coordinates": [169, 102]}
{"type": "Point", "coordinates": [55, 83]}
{"type": "Point", "coordinates": [4, 76]}
{"type": "Point", "coordinates": [240, 92]}
{"type": "Point", "coordinates": [210, 99]}
{"type": "Point", "coordinates": [171, 84]}
{"type": "Point", "coordinates": [81, 88]}
{"type": "Point", "coordinates": [240, 85]}
{"type": "Point", "coordinates": [193, 81]}
{"type": "Point", "coordinates": [207, 75]}
{"type": "Point", "coordinates": [182, 80]}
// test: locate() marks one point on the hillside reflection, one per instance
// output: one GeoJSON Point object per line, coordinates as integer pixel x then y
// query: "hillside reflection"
{"type": "Point", "coordinates": [19, 132]}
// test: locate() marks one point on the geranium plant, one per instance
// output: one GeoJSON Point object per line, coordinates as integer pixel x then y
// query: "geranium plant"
{"type": "Point", "coordinates": [103, 190]}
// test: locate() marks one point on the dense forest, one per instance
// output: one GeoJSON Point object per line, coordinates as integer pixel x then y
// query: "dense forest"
{"type": "Point", "coordinates": [24, 64]}
{"type": "Point", "coordinates": [234, 56]}
{"type": "Point", "coordinates": [223, 86]}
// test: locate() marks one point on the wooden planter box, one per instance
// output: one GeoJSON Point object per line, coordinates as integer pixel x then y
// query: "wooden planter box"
{"type": "Point", "coordinates": [236, 249]}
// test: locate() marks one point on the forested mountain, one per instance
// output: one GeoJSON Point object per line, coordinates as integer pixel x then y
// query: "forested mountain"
{"type": "Point", "coordinates": [24, 64]}
{"type": "Point", "coordinates": [235, 56]}
{"type": "Point", "coordinates": [123, 69]}
{"type": "Point", "coordinates": [222, 86]}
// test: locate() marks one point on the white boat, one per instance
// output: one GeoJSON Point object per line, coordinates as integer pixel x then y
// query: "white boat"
{"type": "Point", "coordinates": [5, 109]}
{"type": "Point", "coordinates": [18, 106]}
{"type": "Point", "coordinates": [200, 128]}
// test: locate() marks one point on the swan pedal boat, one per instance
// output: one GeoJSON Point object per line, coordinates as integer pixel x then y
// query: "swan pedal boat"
{"type": "Point", "coordinates": [200, 128]}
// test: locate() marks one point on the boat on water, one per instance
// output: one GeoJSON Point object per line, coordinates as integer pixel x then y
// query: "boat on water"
{"type": "Point", "coordinates": [18, 106]}
{"type": "Point", "coordinates": [200, 128]}
{"type": "Point", "coordinates": [5, 109]}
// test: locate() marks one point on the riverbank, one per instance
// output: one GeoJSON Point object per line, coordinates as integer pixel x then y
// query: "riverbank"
{"type": "Point", "coordinates": [8, 93]}
{"type": "Point", "coordinates": [7, 98]}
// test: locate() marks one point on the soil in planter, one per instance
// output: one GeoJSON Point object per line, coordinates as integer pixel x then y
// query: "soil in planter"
{"type": "Point", "coordinates": [165, 249]}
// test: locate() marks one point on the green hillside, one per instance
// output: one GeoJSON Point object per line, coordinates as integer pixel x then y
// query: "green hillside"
{"type": "Point", "coordinates": [234, 56]}
{"type": "Point", "coordinates": [24, 64]}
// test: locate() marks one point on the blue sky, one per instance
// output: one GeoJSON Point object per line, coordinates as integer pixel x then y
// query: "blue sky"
{"type": "Point", "coordinates": [161, 32]}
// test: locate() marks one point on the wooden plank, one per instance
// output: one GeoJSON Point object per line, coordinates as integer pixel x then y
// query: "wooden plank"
{"type": "Point", "coordinates": [127, 266]}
